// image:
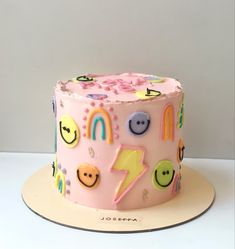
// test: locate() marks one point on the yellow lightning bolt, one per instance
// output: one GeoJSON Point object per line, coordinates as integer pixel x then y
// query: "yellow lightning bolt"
{"type": "Point", "coordinates": [130, 160]}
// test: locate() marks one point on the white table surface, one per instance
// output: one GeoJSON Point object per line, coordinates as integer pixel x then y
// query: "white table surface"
{"type": "Point", "coordinates": [21, 228]}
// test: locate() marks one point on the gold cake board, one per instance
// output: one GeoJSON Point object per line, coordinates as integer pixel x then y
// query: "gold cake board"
{"type": "Point", "coordinates": [41, 196]}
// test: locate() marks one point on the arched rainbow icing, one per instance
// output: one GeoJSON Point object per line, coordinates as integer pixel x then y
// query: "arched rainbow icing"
{"type": "Point", "coordinates": [106, 124]}
{"type": "Point", "coordinates": [168, 123]}
{"type": "Point", "coordinates": [103, 134]}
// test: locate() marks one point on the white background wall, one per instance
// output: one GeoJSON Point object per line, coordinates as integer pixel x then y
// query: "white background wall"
{"type": "Point", "coordinates": [43, 41]}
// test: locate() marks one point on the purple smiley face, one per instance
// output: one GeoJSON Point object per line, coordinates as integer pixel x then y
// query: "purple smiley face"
{"type": "Point", "coordinates": [97, 96]}
{"type": "Point", "coordinates": [138, 123]}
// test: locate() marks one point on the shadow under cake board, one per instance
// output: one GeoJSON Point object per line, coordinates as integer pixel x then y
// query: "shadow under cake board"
{"type": "Point", "coordinates": [195, 198]}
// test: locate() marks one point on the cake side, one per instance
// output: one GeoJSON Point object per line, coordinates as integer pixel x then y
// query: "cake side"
{"type": "Point", "coordinates": [119, 150]}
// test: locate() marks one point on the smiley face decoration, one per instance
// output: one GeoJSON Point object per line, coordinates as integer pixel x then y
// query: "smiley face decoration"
{"type": "Point", "coordinates": [138, 123]}
{"type": "Point", "coordinates": [180, 151]}
{"type": "Point", "coordinates": [163, 174]}
{"type": "Point", "coordinates": [84, 78]}
{"type": "Point", "coordinates": [69, 131]}
{"type": "Point", "coordinates": [88, 176]}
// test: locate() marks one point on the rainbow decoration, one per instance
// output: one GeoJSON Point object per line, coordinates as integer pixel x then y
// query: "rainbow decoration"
{"type": "Point", "coordinates": [168, 123]}
{"type": "Point", "coordinates": [105, 121]}
{"type": "Point", "coordinates": [60, 182]}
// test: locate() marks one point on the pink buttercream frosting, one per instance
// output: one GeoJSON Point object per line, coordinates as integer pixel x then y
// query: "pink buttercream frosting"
{"type": "Point", "coordinates": [101, 107]}
{"type": "Point", "coordinates": [118, 87]}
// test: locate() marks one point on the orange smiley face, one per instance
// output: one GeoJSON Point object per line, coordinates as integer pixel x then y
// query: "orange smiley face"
{"type": "Point", "coordinates": [88, 175]}
{"type": "Point", "coordinates": [180, 151]}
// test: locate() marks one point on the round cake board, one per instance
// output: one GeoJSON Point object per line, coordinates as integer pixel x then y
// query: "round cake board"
{"type": "Point", "coordinates": [41, 196]}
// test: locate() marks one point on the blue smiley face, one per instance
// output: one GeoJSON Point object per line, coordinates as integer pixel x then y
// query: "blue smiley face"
{"type": "Point", "coordinates": [138, 123]}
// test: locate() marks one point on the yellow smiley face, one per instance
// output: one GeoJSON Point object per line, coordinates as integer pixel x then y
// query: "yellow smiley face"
{"type": "Point", "coordinates": [69, 131]}
{"type": "Point", "coordinates": [147, 94]}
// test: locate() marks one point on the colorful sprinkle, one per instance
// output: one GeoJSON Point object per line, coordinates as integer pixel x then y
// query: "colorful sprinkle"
{"type": "Point", "coordinates": [111, 109]}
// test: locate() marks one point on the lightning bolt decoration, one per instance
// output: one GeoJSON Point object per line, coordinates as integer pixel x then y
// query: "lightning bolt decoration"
{"type": "Point", "coordinates": [129, 160]}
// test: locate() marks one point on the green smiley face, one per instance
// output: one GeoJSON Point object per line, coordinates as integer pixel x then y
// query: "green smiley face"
{"type": "Point", "coordinates": [84, 78]}
{"type": "Point", "coordinates": [163, 174]}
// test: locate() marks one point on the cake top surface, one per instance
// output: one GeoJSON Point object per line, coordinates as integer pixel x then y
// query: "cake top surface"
{"type": "Point", "coordinates": [124, 87]}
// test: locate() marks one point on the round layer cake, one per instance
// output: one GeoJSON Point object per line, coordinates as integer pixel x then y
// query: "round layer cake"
{"type": "Point", "coordinates": [118, 140]}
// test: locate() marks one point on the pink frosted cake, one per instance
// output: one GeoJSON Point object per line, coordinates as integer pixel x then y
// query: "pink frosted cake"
{"type": "Point", "coordinates": [118, 140]}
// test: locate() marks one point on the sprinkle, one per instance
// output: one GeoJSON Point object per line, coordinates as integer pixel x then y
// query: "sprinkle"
{"type": "Point", "coordinates": [83, 86]}
{"type": "Point", "coordinates": [107, 88]}
{"type": "Point", "coordinates": [115, 117]}
{"type": "Point", "coordinates": [68, 191]}
{"type": "Point", "coordinates": [101, 104]}
{"type": "Point", "coordinates": [116, 127]}
{"type": "Point", "coordinates": [140, 81]}
{"type": "Point", "coordinates": [86, 110]}
{"type": "Point", "coordinates": [111, 109]}
{"type": "Point", "coordinates": [68, 182]}
{"type": "Point", "coordinates": [64, 171]}
{"type": "Point", "coordinates": [84, 118]}
{"type": "Point", "coordinates": [84, 126]}
{"type": "Point", "coordinates": [93, 104]}
{"type": "Point", "coordinates": [116, 136]}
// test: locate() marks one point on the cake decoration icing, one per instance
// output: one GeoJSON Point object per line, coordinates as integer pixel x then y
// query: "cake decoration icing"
{"type": "Point", "coordinates": [54, 105]}
{"type": "Point", "coordinates": [60, 182]}
{"type": "Point", "coordinates": [97, 96]}
{"type": "Point", "coordinates": [180, 152]}
{"type": "Point", "coordinates": [84, 78]}
{"type": "Point", "coordinates": [163, 174]}
{"type": "Point", "coordinates": [147, 94]}
{"type": "Point", "coordinates": [176, 184]}
{"type": "Point", "coordinates": [88, 175]}
{"type": "Point", "coordinates": [105, 120]}
{"type": "Point", "coordinates": [129, 160]}
{"type": "Point", "coordinates": [69, 131]}
{"type": "Point", "coordinates": [181, 114]}
{"type": "Point", "coordinates": [138, 123]}
{"type": "Point", "coordinates": [168, 123]}
{"type": "Point", "coordinates": [54, 109]}
{"type": "Point", "coordinates": [119, 87]}
{"type": "Point", "coordinates": [91, 152]}
{"type": "Point", "coordinates": [54, 166]}
{"type": "Point", "coordinates": [117, 127]}
{"type": "Point", "coordinates": [145, 194]}
{"type": "Point", "coordinates": [154, 79]}
{"type": "Point", "coordinates": [61, 104]}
